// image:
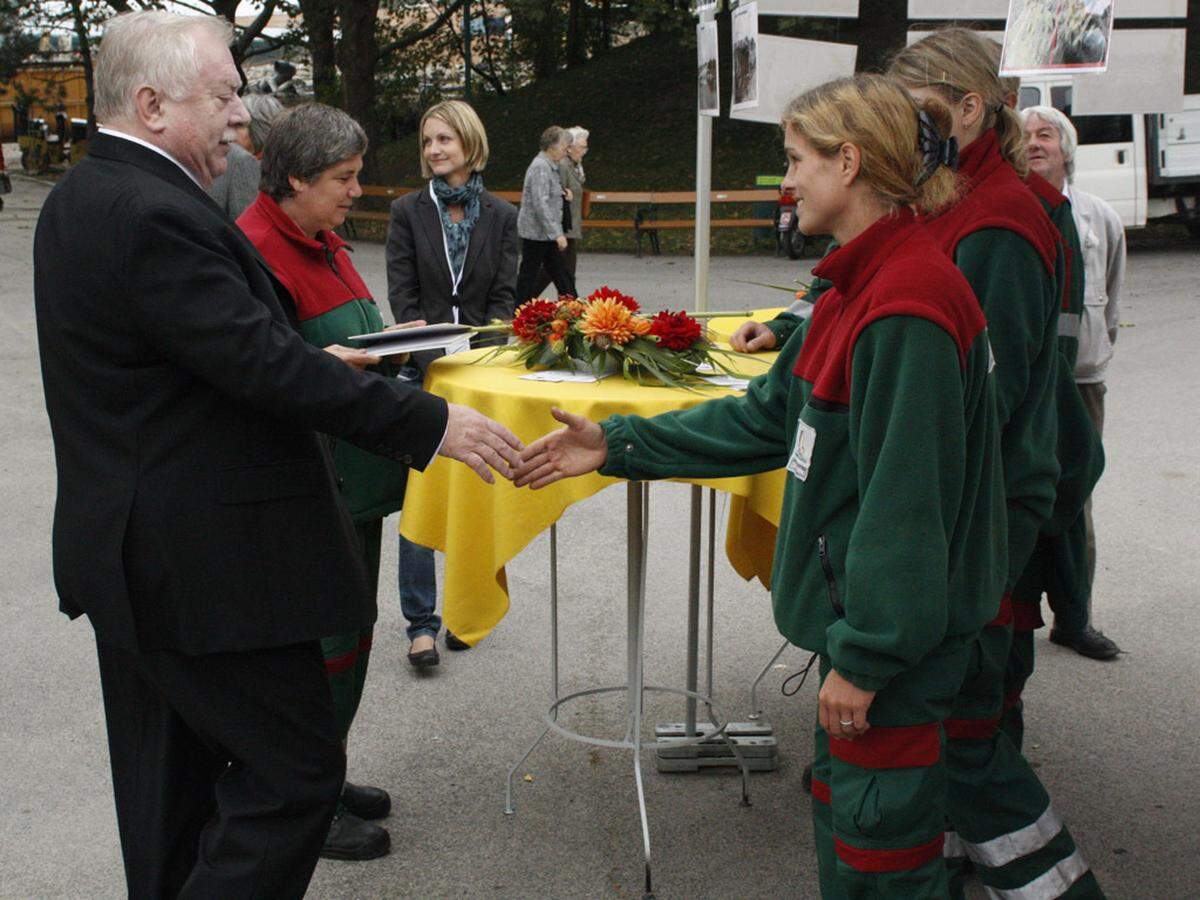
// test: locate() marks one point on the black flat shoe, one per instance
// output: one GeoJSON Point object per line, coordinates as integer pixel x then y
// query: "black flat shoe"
{"type": "Point", "coordinates": [366, 802]}
{"type": "Point", "coordinates": [351, 838]}
{"type": "Point", "coordinates": [806, 779]}
{"type": "Point", "coordinates": [426, 659]}
{"type": "Point", "coordinates": [453, 643]}
{"type": "Point", "coordinates": [1089, 642]}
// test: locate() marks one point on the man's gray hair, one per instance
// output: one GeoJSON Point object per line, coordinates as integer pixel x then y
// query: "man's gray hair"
{"type": "Point", "coordinates": [264, 109]}
{"type": "Point", "coordinates": [304, 142]}
{"type": "Point", "coordinates": [1068, 138]}
{"type": "Point", "coordinates": [552, 137]}
{"type": "Point", "coordinates": [577, 133]}
{"type": "Point", "coordinates": [154, 48]}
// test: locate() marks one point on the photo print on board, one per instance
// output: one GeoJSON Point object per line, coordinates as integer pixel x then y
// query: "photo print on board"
{"type": "Point", "coordinates": [1050, 37]}
{"type": "Point", "coordinates": [745, 57]}
{"type": "Point", "coordinates": [708, 91]}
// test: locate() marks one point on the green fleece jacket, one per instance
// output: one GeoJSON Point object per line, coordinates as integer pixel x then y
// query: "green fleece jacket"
{"type": "Point", "coordinates": [891, 538]}
{"type": "Point", "coordinates": [1079, 450]}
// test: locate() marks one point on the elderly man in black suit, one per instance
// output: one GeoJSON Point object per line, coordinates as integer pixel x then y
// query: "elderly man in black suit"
{"type": "Point", "coordinates": [198, 523]}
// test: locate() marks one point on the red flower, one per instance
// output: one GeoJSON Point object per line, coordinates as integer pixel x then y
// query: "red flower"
{"type": "Point", "coordinates": [607, 293]}
{"type": "Point", "coordinates": [675, 331]}
{"type": "Point", "coordinates": [532, 319]}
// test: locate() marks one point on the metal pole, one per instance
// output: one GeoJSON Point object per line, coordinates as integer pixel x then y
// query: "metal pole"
{"type": "Point", "coordinates": [693, 611]}
{"type": "Point", "coordinates": [704, 130]}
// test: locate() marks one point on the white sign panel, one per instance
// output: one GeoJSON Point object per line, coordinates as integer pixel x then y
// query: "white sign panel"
{"type": "Point", "coordinates": [998, 9]}
{"type": "Point", "coordinates": [708, 90]}
{"type": "Point", "coordinates": [745, 57]}
{"type": "Point", "coordinates": [834, 9]}
{"type": "Point", "coordinates": [790, 66]}
{"type": "Point", "coordinates": [914, 36]}
{"type": "Point", "coordinates": [1145, 75]}
{"type": "Point", "coordinates": [1050, 37]}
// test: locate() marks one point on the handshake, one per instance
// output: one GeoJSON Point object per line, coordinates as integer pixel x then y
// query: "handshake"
{"type": "Point", "coordinates": [484, 445]}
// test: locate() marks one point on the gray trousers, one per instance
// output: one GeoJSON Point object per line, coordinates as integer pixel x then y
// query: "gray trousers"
{"type": "Point", "coordinates": [1093, 400]}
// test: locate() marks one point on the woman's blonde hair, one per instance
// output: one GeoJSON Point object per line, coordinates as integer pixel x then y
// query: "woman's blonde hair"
{"type": "Point", "coordinates": [465, 123]}
{"type": "Point", "coordinates": [956, 62]}
{"type": "Point", "coordinates": [879, 118]}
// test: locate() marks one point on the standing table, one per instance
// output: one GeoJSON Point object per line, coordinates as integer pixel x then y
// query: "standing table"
{"type": "Point", "coordinates": [481, 527]}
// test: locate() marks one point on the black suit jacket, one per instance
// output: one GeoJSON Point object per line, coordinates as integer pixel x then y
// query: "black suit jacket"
{"type": "Point", "coordinates": [419, 282]}
{"type": "Point", "coordinates": [197, 507]}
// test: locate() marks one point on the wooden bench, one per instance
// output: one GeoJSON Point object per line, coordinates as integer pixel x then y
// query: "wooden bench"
{"type": "Point", "coordinates": [645, 222]}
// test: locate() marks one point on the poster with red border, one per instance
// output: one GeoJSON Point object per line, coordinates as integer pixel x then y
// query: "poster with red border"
{"type": "Point", "coordinates": [1055, 37]}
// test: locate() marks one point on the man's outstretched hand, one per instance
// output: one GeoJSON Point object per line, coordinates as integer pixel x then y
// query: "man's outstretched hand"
{"type": "Point", "coordinates": [575, 450]}
{"type": "Point", "coordinates": [474, 439]}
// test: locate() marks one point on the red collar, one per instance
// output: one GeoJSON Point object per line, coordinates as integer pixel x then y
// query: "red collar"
{"type": "Point", "coordinates": [981, 157]}
{"type": "Point", "coordinates": [852, 266]}
{"type": "Point", "coordinates": [325, 242]}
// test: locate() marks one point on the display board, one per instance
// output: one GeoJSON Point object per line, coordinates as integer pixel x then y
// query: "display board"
{"type": "Point", "coordinates": [998, 9]}
{"type": "Point", "coordinates": [834, 9]}
{"type": "Point", "coordinates": [1145, 75]}
{"type": "Point", "coordinates": [789, 66]}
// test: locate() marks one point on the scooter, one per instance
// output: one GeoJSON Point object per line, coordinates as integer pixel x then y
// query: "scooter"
{"type": "Point", "coordinates": [5, 182]}
{"type": "Point", "coordinates": [787, 230]}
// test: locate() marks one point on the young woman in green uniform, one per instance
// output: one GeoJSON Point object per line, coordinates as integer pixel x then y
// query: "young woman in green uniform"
{"type": "Point", "coordinates": [890, 556]}
{"type": "Point", "coordinates": [1001, 240]}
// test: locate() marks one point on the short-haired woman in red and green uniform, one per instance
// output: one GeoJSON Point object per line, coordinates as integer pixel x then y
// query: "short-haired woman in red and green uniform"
{"type": "Point", "coordinates": [890, 553]}
{"type": "Point", "coordinates": [310, 168]}
{"type": "Point", "coordinates": [1004, 244]}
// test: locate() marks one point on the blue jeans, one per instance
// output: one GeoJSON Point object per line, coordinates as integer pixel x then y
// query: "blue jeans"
{"type": "Point", "coordinates": [418, 589]}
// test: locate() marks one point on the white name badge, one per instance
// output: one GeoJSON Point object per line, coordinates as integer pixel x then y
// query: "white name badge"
{"type": "Point", "coordinates": [806, 439]}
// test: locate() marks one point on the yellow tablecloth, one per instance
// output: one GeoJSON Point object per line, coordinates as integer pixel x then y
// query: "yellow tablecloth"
{"type": "Point", "coordinates": [480, 527]}
{"type": "Point", "coordinates": [722, 329]}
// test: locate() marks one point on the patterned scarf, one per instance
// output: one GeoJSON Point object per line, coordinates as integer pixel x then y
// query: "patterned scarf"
{"type": "Point", "coordinates": [458, 234]}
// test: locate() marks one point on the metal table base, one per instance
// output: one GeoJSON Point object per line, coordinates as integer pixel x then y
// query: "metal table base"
{"type": "Point", "coordinates": [686, 746]}
{"type": "Point", "coordinates": [634, 689]}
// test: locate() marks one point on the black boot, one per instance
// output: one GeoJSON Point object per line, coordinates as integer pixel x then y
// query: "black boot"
{"type": "Point", "coordinates": [351, 838]}
{"type": "Point", "coordinates": [366, 802]}
{"type": "Point", "coordinates": [1089, 642]}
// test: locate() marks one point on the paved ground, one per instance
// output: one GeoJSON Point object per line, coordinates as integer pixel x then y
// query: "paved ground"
{"type": "Point", "coordinates": [1115, 743]}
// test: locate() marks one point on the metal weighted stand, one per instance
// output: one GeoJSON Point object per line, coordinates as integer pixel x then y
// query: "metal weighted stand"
{"type": "Point", "coordinates": [638, 514]}
{"type": "Point", "coordinates": [681, 745]}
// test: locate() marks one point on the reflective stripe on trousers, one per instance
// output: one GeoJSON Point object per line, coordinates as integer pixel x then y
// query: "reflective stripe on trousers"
{"type": "Point", "coordinates": [1048, 886]}
{"type": "Point", "coordinates": [1002, 850]}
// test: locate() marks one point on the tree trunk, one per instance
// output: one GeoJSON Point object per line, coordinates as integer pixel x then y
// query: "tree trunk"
{"type": "Point", "coordinates": [882, 28]}
{"type": "Point", "coordinates": [576, 33]}
{"type": "Point", "coordinates": [357, 57]}
{"type": "Point", "coordinates": [319, 17]}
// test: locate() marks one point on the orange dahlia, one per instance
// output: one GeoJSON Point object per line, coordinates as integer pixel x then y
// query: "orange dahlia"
{"type": "Point", "coordinates": [610, 322]}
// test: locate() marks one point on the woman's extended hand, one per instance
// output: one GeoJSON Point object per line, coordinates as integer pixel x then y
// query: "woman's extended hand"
{"type": "Point", "coordinates": [575, 450]}
{"type": "Point", "coordinates": [354, 358]}
{"type": "Point", "coordinates": [752, 337]}
{"type": "Point", "coordinates": [842, 707]}
{"type": "Point", "coordinates": [400, 326]}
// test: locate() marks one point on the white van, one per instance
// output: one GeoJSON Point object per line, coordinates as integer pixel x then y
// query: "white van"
{"type": "Point", "coordinates": [1146, 166]}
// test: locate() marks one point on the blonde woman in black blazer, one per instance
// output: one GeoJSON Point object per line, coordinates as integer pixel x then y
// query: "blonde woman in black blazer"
{"type": "Point", "coordinates": [451, 257]}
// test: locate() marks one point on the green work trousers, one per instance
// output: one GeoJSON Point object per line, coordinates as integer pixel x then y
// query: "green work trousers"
{"type": "Point", "coordinates": [348, 654]}
{"type": "Point", "coordinates": [1058, 568]}
{"type": "Point", "coordinates": [879, 801]}
{"type": "Point", "coordinates": [1000, 816]}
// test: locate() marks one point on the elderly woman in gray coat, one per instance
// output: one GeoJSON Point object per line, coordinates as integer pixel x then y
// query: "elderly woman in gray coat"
{"type": "Point", "coordinates": [540, 223]}
{"type": "Point", "coordinates": [570, 174]}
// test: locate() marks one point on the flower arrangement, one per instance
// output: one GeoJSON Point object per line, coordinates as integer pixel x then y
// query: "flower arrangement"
{"type": "Point", "coordinates": [607, 332]}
